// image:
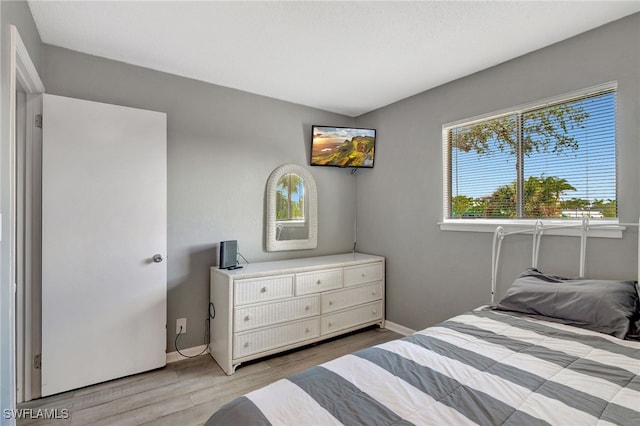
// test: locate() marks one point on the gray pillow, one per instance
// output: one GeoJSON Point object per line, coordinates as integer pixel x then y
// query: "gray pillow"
{"type": "Point", "coordinates": [634, 329]}
{"type": "Point", "coordinates": [605, 306]}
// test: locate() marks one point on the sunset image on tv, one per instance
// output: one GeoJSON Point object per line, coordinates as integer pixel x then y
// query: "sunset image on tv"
{"type": "Point", "coordinates": [342, 147]}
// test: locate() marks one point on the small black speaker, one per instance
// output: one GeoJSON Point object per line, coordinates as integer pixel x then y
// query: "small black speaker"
{"type": "Point", "coordinates": [228, 254]}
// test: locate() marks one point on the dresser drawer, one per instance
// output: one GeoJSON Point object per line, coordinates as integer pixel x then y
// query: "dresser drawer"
{"type": "Point", "coordinates": [351, 296]}
{"type": "Point", "coordinates": [360, 315]}
{"type": "Point", "coordinates": [253, 342]}
{"type": "Point", "coordinates": [262, 289]}
{"type": "Point", "coordinates": [354, 275]}
{"type": "Point", "coordinates": [246, 318]}
{"type": "Point", "coordinates": [314, 282]}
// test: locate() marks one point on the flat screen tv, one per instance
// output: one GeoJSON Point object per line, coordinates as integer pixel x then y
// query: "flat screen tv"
{"type": "Point", "coordinates": [342, 146]}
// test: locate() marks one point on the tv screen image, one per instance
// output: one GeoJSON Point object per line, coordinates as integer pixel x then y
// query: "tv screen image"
{"type": "Point", "coordinates": [342, 146]}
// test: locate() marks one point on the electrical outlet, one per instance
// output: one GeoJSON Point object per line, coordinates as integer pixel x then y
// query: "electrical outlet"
{"type": "Point", "coordinates": [181, 322]}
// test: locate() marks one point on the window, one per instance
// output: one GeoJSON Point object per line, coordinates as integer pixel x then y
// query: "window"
{"type": "Point", "coordinates": [555, 159]}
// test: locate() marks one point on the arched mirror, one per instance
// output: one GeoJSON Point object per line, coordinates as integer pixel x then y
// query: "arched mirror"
{"type": "Point", "coordinates": [292, 209]}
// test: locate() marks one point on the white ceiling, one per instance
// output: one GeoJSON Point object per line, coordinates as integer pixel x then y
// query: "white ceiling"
{"type": "Point", "coordinates": [348, 57]}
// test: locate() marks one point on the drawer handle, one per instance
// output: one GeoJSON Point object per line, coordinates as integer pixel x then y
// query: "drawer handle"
{"type": "Point", "coordinates": [307, 330]}
{"type": "Point", "coordinates": [319, 282]}
{"type": "Point", "coordinates": [263, 290]}
{"type": "Point", "coordinates": [246, 344]}
{"type": "Point", "coordinates": [364, 274]}
{"type": "Point", "coordinates": [374, 312]}
{"type": "Point", "coordinates": [330, 302]}
{"type": "Point", "coordinates": [247, 318]}
{"type": "Point", "coordinates": [306, 308]}
{"type": "Point", "coordinates": [373, 292]}
{"type": "Point", "coordinates": [330, 324]}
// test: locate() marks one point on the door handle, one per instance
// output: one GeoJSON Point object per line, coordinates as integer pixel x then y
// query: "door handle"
{"type": "Point", "coordinates": [157, 258]}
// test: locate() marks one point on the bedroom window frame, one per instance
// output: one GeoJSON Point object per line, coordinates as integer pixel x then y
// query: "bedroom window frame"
{"type": "Point", "coordinates": [517, 224]}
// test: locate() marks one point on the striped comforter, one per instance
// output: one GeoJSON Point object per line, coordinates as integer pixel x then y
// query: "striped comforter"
{"type": "Point", "coordinates": [483, 367]}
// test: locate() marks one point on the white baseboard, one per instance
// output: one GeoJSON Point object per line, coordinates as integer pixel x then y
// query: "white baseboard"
{"type": "Point", "coordinates": [175, 356]}
{"type": "Point", "coordinates": [400, 329]}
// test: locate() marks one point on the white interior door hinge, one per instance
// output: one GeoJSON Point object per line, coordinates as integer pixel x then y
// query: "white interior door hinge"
{"type": "Point", "coordinates": [38, 120]}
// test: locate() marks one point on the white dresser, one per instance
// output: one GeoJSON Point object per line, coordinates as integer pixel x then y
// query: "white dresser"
{"type": "Point", "coordinates": [270, 307]}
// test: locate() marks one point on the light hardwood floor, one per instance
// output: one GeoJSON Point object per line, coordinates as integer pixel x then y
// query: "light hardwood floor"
{"type": "Point", "coordinates": [187, 392]}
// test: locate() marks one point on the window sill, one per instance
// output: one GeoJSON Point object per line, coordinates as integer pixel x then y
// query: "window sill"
{"type": "Point", "coordinates": [612, 230]}
{"type": "Point", "coordinates": [294, 223]}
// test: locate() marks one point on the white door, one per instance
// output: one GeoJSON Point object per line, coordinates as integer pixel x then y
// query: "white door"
{"type": "Point", "coordinates": [104, 221]}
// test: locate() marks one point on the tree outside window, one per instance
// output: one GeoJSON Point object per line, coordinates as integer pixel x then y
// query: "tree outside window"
{"type": "Point", "coordinates": [556, 161]}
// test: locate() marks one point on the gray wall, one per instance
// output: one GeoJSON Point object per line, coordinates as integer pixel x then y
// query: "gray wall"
{"type": "Point", "coordinates": [433, 274]}
{"type": "Point", "coordinates": [222, 146]}
{"type": "Point", "coordinates": [18, 14]}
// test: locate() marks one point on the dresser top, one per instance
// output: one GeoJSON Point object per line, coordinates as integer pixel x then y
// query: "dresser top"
{"type": "Point", "coordinates": [298, 265]}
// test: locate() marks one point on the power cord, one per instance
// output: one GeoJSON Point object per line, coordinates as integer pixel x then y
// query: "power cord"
{"type": "Point", "coordinates": [245, 259]}
{"type": "Point", "coordinates": [207, 333]}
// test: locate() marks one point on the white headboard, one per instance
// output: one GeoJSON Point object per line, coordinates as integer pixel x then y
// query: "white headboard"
{"type": "Point", "coordinates": [537, 231]}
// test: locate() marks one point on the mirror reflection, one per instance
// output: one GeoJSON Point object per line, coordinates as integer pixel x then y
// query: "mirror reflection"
{"type": "Point", "coordinates": [290, 208]}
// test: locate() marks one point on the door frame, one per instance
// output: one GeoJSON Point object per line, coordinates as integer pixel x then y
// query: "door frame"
{"type": "Point", "coordinates": [23, 74]}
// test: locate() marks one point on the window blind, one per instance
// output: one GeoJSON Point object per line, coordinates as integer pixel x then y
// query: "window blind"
{"type": "Point", "coordinates": [551, 161]}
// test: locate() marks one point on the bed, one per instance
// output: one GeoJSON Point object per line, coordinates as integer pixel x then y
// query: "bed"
{"type": "Point", "coordinates": [553, 350]}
